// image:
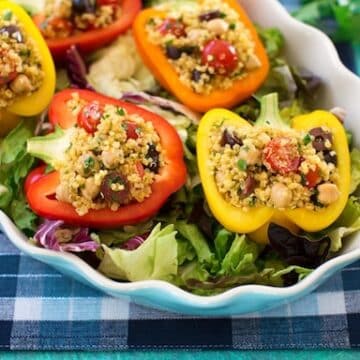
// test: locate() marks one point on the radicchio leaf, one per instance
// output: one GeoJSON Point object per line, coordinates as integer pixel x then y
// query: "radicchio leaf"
{"type": "Point", "coordinates": [76, 69]}
{"type": "Point", "coordinates": [134, 242]}
{"type": "Point", "coordinates": [296, 250]}
{"type": "Point", "coordinates": [50, 235]}
{"type": "Point", "coordinates": [138, 97]}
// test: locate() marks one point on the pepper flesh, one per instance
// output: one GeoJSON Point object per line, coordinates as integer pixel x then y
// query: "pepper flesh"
{"type": "Point", "coordinates": [39, 100]}
{"type": "Point", "coordinates": [234, 218]}
{"type": "Point", "coordinates": [93, 39]}
{"type": "Point", "coordinates": [40, 189]}
{"type": "Point", "coordinates": [158, 63]}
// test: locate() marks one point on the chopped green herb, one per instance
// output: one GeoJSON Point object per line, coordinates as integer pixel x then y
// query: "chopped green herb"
{"type": "Point", "coordinates": [252, 201]}
{"type": "Point", "coordinates": [89, 164]}
{"type": "Point", "coordinates": [303, 179]}
{"type": "Point", "coordinates": [232, 26]}
{"type": "Point", "coordinates": [222, 15]}
{"type": "Point", "coordinates": [242, 165]}
{"type": "Point", "coordinates": [7, 15]}
{"type": "Point", "coordinates": [25, 52]}
{"type": "Point", "coordinates": [120, 111]}
{"type": "Point", "coordinates": [307, 139]}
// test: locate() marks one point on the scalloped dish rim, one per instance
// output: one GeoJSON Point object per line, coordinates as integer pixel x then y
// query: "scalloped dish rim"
{"type": "Point", "coordinates": [222, 304]}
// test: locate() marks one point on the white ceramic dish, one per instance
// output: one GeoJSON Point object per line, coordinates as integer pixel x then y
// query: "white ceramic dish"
{"type": "Point", "coordinates": [306, 47]}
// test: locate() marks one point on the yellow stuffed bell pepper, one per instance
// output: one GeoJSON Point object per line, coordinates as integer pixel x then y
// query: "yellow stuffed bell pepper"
{"type": "Point", "coordinates": [27, 71]}
{"type": "Point", "coordinates": [296, 175]}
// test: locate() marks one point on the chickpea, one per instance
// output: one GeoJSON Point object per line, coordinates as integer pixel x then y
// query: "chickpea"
{"type": "Point", "coordinates": [280, 195]}
{"type": "Point", "coordinates": [252, 63]}
{"type": "Point", "coordinates": [195, 34]}
{"type": "Point", "coordinates": [62, 9]}
{"type": "Point", "coordinates": [90, 190]}
{"type": "Point", "coordinates": [328, 193]}
{"type": "Point", "coordinates": [251, 156]}
{"type": "Point", "coordinates": [21, 84]}
{"type": "Point", "coordinates": [62, 193]}
{"type": "Point", "coordinates": [217, 26]}
{"type": "Point", "coordinates": [109, 159]}
{"type": "Point", "coordinates": [87, 164]}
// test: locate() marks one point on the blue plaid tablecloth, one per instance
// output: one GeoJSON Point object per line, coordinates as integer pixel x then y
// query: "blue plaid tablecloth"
{"type": "Point", "coordinates": [41, 309]}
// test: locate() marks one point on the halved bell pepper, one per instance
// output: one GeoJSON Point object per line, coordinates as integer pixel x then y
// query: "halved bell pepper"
{"type": "Point", "coordinates": [8, 121]}
{"type": "Point", "coordinates": [39, 100]}
{"type": "Point", "coordinates": [40, 187]}
{"type": "Point", "coordinates": [234, 218]}
{"type": "Point", "coordinates": [154, 58]}
{"type": "Point", "coordinates": [91, 40]}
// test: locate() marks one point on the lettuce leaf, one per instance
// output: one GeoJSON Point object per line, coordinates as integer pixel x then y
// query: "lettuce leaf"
{"type": "Point", "coordinates": [15, 164]}
{"type": "Point", "coordinates": [156, 258]}
{"type": "Point", "coordinates": [346, 224]}
{"type": "Point", "coordinates": [241, 257]}
{"type": "Point", "coordinates": [355, 169]}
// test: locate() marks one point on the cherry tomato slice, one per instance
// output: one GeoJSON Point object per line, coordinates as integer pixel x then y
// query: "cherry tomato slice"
{"type": "Point", "coordinates": [62, 26]}
{"type": "Point", "coordinates": [172, 26]}
{"type": "Point", "coordinates": [131, 130]}
{"type": "Point", "coordinates": [89, 117]}
{"type": "Point", "coordinates": [5, 80]}
{"type": "Point", "coordinates": [140, 169]}
{"type": "Point", "coordinates": [281, 155]}
{"type": "Point", "coordinates": [312, 178]}
{"type": "Point", "coordinates": [220, 55]}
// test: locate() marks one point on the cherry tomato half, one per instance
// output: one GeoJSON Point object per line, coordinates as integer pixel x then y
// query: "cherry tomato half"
{"type": "Point", "coordinates": [312, 178]}
{"type": "Point", "coordinates": [61, 26]}
{"type": "Point", "coordinates": [131, 130]}
{"type": "Point", "coordinates": [172, 26]}
{"type": "Point", "coordinates": [281, 155]}
{"type": "Point", "coordinates": [89, 116]}
{"type": "Point", "coordinates": [140, 169]}
{"type": "Point", "coordinates": [220, 55]}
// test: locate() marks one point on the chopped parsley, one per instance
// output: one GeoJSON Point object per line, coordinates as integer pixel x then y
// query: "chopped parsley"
{"type": "Point", "coordinates": [7, 15]}
{"type": "Point", "coordinates": [307, 139]}
{"type": "Point", "coordinates": [120, 111]}
{"type": "Point", "coordinates": [242, 165]}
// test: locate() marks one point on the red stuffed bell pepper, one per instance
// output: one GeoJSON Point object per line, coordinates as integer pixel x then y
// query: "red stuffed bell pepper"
{"type": "Point", "coordinates": [127, 188]}
{"type": "Point", "coordinates": [87, 24]}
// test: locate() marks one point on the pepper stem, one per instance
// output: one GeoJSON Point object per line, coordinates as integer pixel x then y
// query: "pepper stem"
{"type": "Point", "coordinates": [269, 113]}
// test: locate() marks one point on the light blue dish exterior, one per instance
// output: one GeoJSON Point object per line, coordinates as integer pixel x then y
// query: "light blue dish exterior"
{"type": "Point", "coordinates": [252, 298]}
{"type": "Point", "coordinates": [305, 47]}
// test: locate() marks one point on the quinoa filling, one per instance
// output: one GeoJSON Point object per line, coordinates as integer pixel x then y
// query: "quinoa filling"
{"type": "Point", "coordinates": [284, 169]}
{"type": "Point", "coordinates": [207, 44]}
{"type": "Point", "coordinates": [20, 66]}
{"type": "Point", "coordinates": [64, 18]}
{"type": "Point", "coordinates": [113, 166]}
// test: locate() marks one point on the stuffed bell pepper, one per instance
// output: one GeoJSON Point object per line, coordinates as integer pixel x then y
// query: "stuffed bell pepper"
{"type": "Point", "coordinates": [88, 24]}
{"type": "Point", "coordinates": [112, 163]}
{"type": "Point", "coordinates": [296, 175]}
{"type": "Point", "coordinates": [27, 73]}
{"type": "Point", "coordinates": [208, 54]}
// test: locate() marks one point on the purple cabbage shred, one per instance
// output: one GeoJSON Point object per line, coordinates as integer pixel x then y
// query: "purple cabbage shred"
{"type": "Point", "coordinates": [76, 69]}
{"type": "Point", "coordinates": [54, 235]}
{"type": "Point", "coordinates": [134, 242]}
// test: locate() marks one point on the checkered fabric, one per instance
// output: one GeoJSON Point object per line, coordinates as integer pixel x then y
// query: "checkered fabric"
{"type": "Point", "coordinates": [41, 309]}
